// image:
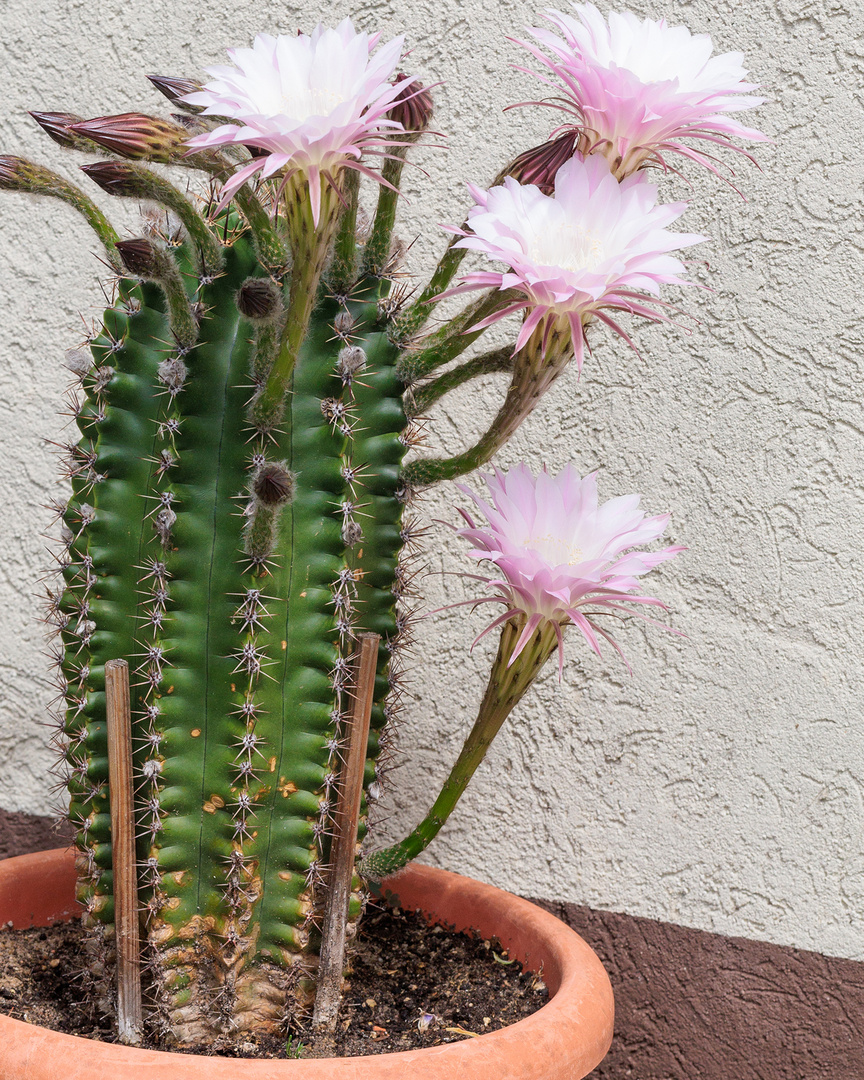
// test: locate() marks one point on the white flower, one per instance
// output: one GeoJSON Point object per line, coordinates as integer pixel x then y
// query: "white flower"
{"type": "Point", "coordinates": [583, 251]}
{"type": "Point", "coordinates": [313, 104]}
{"type": "Point", "coordinates": [638, 86]}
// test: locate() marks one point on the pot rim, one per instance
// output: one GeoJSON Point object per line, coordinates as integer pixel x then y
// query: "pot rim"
{"type": "Point", "coordinates": [571, 1032]}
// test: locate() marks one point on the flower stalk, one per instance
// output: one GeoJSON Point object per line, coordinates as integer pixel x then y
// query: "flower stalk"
{"type": "Point", "coordinates": [535, 369]}
{"type": "Point", "coordinates": [496, 360]}
{"type": "Point", "coordinates": [18, 174]}
{"type": "Point", "coordinates": [508, 682]}
{"type": "Point", "coordinates": [310, 248]}
{"type": "Point", "coordinates": [451, 339]}
{"type": "Point", "coordinates": [129, 180]}
{"type": "Point", "coordinates": [415, 316]}
{"type": "Point", "coordinates": [343, 271]}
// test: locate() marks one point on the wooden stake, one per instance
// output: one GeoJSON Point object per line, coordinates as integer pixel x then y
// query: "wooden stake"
{"type": "Point", "coordinates": [343, 849]}
{"type": "Point", "coordinates": [129, 1014]}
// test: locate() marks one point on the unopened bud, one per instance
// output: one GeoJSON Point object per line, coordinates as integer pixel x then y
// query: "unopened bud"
{"type": "Point", "coordinates": [11, 176]}
{"type": "Point", "coordinates": [258, 298]}
{"type": "Point", "coordinates": [412, 108]}
{"type": "Point", "coordinates": [274, 484]}
{"type": "Point", "coordinates": [139, 257]}
{"type": "Point", "coordinates": [57, 125]}
{"type": "Point", "coordinates": [115, 177]}
{"type": "Point", "coordinates": [175, 89]}
{"type": "Point", "coordinates": [539, 165]}
{"type": "Point", "coordinates": [136, 136]}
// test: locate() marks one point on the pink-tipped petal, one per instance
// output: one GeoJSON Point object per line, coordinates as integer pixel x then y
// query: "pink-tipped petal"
{"type": "Point", "coordinates": [578, 252]}
{"type": "Point", "coordinates": [561, 554]}
{"type": "Point", "coordinates": [637, 88]}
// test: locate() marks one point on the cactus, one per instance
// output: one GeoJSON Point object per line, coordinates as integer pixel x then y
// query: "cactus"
{"type": "Point", "coordinates": [229, 539]}
{"type": "Point", "coordinates": [232, 558]}
{"type": "Point", "coordinates": [238, 500]}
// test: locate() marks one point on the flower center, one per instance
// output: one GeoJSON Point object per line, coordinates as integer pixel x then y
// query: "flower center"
{"type": "Point", "coordinates": [317, 101]}
{"type": "Point", "coordinates": [571, 247]}
{"type": "Point", "coordinates": [554, 550]}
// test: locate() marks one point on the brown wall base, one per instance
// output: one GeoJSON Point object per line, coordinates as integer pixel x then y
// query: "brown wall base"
{"type": "Point", "coordinates": [688, 1005]}
{"type": "Point", "coordinates": [21, 833]}
{"type": "Point", "coordinates": [696, 1006]}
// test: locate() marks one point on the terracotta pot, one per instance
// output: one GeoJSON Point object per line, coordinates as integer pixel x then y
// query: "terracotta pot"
{"type": "Point", "coordinates": [562, 1041]}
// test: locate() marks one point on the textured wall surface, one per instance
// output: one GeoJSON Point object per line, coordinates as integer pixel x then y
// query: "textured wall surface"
{"type": "Point", "coordinates": [720, 786]}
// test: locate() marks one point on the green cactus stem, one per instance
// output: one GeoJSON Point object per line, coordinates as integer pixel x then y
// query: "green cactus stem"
{"type": "Point", "coordinates": [535, 369]}
{"type": "Point", "coordinates": [238, 625]}
{"type": "Point", "coordinates": [488, 364]}
{"type": "Point", "coordinates": [231, 559]}
{"type": "Point", "coordinates": [18, 174]}
{"type": "Point", "coordinates": [507, 685]}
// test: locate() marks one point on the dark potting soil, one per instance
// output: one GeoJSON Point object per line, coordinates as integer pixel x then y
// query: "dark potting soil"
{"type": "Point", "coordinates": [409, 986]}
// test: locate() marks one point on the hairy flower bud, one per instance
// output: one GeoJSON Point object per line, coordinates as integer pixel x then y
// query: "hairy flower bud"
{"type": "Point", "coordinates": [539, 165]}
{"type": "Point", "coordinates": [19, 174]}
{"type": "Point", "coordinates": [10, 179]}
{"type": "Point", "coordinates": [174, 88]}
{"type": "Point", "coordinates": [115, 177]}
{"type": "Point", "coordinates": [57, 124]}
{"type": "Point", "coordinates": [139, 257]}
{"type": "Point", "coordinates": [413, 106]}
{"type": "Point", "coordinates": [274, 484]}
{"type": "Point", "coordinates": [134, 135]}
{"type": "Point", "coordinates": [258, 299]}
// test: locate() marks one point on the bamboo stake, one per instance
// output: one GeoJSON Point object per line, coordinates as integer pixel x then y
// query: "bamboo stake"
{"type": "Point", "coordinates": [343, 849]}
{"type": "Point", "coordinates": [129, 1014]}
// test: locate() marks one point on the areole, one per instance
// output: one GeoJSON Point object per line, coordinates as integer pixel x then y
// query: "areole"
{"type": "Point", "coordinates": [564, 1040]}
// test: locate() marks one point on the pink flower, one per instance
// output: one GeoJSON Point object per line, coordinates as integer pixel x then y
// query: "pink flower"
{"type": "Point", "coordinates": [562, 558]}
{"type": "Point", "coordinates": [583, 251]}
{"type": "Point", "coordinates": [313, 104]}
{"type": "Point", "coordinates": [638, 87]}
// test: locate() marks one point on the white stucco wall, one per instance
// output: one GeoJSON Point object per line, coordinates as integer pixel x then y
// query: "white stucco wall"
{"type": "Point", "coordinates": [720, 786]}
